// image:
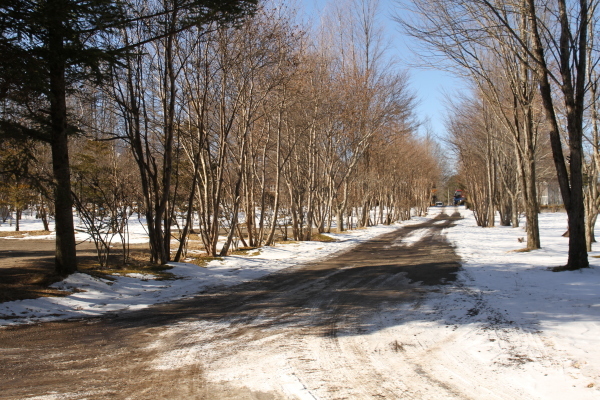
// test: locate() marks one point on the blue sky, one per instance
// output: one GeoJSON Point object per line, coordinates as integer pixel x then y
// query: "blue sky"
{"type": "Point", "coordinates": [428, 84]}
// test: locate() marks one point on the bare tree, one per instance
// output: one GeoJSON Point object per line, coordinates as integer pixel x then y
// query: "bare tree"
{"type": "Point", "coordinates": [551, 38]}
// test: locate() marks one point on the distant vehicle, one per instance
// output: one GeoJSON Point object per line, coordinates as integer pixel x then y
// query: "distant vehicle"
{"type": "Point", "coordinates": [459, 198]}
{"type": "Point", "coordinates": [439, 204]}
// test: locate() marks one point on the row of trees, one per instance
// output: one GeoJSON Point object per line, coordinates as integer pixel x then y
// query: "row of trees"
{"type": "Point", "coordinates": [246, 128]}
{"type": "Point", "coordinates": [533, 66]}
{"type": "Point", "coordinates": [50, 48]}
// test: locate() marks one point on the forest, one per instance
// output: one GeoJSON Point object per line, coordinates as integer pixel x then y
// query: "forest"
{"type": "Point", "coordinates": [530, 117]}
{"type": "Point", "coordinates": [230, 120]}
{"type": "Point", "coordinates": [246, 199]}
{"type": "Point", "coordinates": [241, 123]}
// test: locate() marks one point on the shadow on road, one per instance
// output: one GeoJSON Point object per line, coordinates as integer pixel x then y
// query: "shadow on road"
{"type": "Point", "coordinates": [352, 285]}
{"type": "Point", "coordinates": [111, 357]}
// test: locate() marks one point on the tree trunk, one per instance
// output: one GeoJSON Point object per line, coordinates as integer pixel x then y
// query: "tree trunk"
{"type": "Point", "coordinates": [190, 213]}
{"type": "Point", "coordinates": [271, 234]}
{"type": "Point", "coordinates": [590, 223]}
{"type": "Point", "coordinates": [571, 185]}
{"type": "Point", "coordinates": [66, 257]}
{"type": "Point", "coordinates": [17, 219]}
{"type": "Point", "coordinates": [43, 215]}
{"type": "Point", "coordinates": [529, 189]}
{"type": "Point", "coordinates": [340, 220]}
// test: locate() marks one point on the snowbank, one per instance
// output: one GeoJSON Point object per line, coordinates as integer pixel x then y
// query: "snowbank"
{"type": "Point", "coordinates": [95, 296]}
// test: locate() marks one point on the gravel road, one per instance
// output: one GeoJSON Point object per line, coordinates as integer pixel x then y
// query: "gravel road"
{"type": "Point", "coordinates": [302, 333]}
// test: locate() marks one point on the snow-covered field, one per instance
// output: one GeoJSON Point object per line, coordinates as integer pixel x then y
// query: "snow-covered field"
{"type": "Point", "coordinates": [508, 328]}
{"type": "Point", "coordinates": [137, 230]}
{"type": "Point", "coordinates": [509, 324]}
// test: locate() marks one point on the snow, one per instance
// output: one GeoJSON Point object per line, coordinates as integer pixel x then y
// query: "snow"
{"type": "Point", "coordinates": [412, 238]}
{"type": "Point", "coordinates": [95, 296]}
{"type": "Point", "coordinates": [137, 229]}
{"type": "Point", "coordinates": [546, 310]}
{"type": "Point", "coordinates": [508, 328]}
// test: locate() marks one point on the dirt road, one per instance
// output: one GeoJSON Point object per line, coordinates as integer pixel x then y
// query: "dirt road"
{"type": "Point", "coordinates": [301, 333]}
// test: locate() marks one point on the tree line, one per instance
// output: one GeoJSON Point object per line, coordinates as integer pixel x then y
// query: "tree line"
{"type": "Point", "coordinates": [227, 119]}
{"type": "Point", "coordinates": [532, 66]}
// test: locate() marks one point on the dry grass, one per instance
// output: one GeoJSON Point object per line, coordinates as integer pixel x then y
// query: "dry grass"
{"type": "Point", "coordinates": [562, 268]}
{"type": "Point", "coordinates": [29, 284]}
{"type": "Point", "coordinates": [22, 234]}
{"type": "Point", "coordinates": [191, 236]}
{"type": "Point", "coordinates": [319, 237]}
{"type": "Point", "coordinates": [195, 245]}
{"type": "Point", "coordinates": [286, 242]}
{"type": "Point", "coordinates": [244, 251]}
{"type": "Point", "coordinates": [202, 260]}
{"type": "Point", "coordinates": [523, 250]}
{"type": "Point", "coordinates": [137, 264]}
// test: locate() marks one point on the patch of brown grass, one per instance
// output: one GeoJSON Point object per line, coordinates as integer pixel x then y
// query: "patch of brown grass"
{"type": "Point", "coordinates": [191, 236]}
{"type": "Point", "coordinates": [319, 237]}
{"type": "Point", "coordinates": [243, 251]}
{"type": "Point", "coordinates": [562, 268]}
{"type": "Point", "coordinates": [287, 242]}
{"type": "Point", "coordinates": [201, 261]}
{"type": "Point", "coordinates": [22, 234]}
{"type": "Point", "coordinates": [195, 245]}
{"type": "Point", "coordinates": [137, 265]}
{"type": "Point", "coordinates": [22, 285]}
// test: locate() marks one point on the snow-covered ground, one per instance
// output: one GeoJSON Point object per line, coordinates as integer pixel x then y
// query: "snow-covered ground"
{"type": "Point", "coordinates": [96, 296]}
{"type": "Point", "coordinates": [508, 328]}
{"type": "Point", "coordinates": [509, 324]}
{"type": "Point", "coordinates": [137, 229]}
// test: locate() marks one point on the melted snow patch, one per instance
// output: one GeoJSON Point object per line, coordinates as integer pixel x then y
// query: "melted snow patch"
{"type": "Point", "coordinates": [412, 238]}
{"type": "Point", "coordinates": [145, 277]}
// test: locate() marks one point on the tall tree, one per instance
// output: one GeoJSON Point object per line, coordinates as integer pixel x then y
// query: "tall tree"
{"type": "Point", "coordinates": [47, 47]}
{"type": "Point", "coordinates": [549, 38]}
{"type": "Point", "coordinates": [568, 48]}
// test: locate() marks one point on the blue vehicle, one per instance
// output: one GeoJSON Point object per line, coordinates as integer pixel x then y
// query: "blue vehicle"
{"type": "Point", "coordinates": [459, 198]}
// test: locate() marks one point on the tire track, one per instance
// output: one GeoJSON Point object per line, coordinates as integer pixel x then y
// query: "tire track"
{"type": "Point", "coordinates": [295, 334]}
